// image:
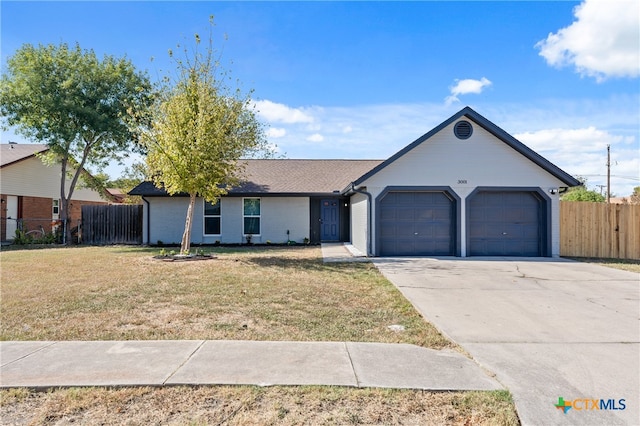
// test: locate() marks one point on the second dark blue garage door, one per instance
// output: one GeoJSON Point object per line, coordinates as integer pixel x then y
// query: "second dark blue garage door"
{"type": "Point", "coordinates": [416, 223]}
{"type": "Point", "coordinates": [505, 223]}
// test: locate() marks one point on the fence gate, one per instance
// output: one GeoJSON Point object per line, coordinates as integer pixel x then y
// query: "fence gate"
{"type": "Point", "coordinates": [111, 224]}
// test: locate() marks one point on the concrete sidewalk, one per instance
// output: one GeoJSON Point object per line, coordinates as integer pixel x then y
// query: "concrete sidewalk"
{"type": "Point", "coordinates": [342, 252]}
{"type": "Point", "coordinates": [45, 364]}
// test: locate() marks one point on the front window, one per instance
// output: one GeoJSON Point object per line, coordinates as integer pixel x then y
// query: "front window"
{"type": "Point", "coordinates": [251, 212]}
{"type": "Point", "coordinates": [212, 218]}
{"type": "Point", "coordinates": [55, 207]}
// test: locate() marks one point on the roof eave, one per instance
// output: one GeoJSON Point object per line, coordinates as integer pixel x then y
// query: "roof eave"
{"type": "Point", "coordinates": [491, 128]}
{"type": "Point", "coordinates": [521, 148]}
{"type": "Point", "coordinates": [25, 158]}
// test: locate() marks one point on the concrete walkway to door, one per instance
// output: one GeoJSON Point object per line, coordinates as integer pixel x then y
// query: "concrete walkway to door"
{"type": "Point", "coordinates": [548, 329]}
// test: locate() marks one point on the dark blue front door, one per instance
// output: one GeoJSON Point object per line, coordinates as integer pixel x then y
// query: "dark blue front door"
{"type": "Point", "coordinates": [329, 220]}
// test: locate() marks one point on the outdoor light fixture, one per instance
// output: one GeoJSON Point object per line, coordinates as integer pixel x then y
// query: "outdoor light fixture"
{"type": "Point", "coordinates": [553, 191]}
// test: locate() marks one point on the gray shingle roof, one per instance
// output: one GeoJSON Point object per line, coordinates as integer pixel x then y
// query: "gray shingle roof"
{"type": "Point", "coordinates": [11, 153]}
{"type": "Point", "coordinates": [302, 176]}
{"type": "Point", "coordinates": [289, 177]}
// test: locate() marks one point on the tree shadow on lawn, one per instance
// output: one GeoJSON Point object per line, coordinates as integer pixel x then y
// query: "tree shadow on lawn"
{"type": "Point", "coordinates": [264, 256]}
{"type": "Point", "coordinates": [316, 264]}
{"type": "Point", "coordinates": [209, 249]}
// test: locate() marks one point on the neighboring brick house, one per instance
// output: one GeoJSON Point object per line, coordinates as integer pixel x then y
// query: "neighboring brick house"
{"type": "Point", "coordinates": [30, 191]}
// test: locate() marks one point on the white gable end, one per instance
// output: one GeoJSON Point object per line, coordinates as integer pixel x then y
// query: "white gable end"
{"type": "Point", "coordinates": [445, 160]}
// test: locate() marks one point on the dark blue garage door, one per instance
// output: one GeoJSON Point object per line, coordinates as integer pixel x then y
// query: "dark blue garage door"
{"type": "Point", "coordinates": [505, 223]}
{"type": "Point", "coordinates": [416, 224]}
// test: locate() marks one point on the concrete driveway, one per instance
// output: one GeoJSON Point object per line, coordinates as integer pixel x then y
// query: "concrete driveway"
{"type": "Point", "coordinates": [547, 328]}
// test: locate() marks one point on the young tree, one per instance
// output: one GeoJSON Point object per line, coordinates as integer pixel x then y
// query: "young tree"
{"type": "Point", "coordinates": [200, 131]}
{"type": "Point", "coordinates": [85, 109]}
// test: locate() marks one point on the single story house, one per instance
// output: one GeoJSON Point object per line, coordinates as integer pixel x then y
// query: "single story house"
{"type": "Point", "coordinates": [30, 191]}
{"type": "Point", "coordinates": [465, 188]}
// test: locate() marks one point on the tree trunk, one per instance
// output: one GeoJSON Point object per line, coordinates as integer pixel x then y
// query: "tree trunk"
{"type": "Point", "coordinates": [185, 246]}
{"type": "Point", "coordinates": [64, 204]}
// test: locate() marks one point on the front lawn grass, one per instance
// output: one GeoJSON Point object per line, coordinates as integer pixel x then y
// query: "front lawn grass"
{"type": "Point", "coordinates": [630, 265]}
{"type": "Point", "coordinates": [280, 293]}
{"type": "Point", "coordinates": [252, 405]}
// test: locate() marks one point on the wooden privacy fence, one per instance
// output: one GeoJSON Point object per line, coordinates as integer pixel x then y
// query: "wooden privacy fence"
{"type": "Point", "coordinates": [111, 224]}
{"type": "Point", "coordinates": [599, 230]}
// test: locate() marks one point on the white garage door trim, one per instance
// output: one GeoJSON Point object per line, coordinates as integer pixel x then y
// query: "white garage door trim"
{"type": "Point", "coordinates": [456, 217]}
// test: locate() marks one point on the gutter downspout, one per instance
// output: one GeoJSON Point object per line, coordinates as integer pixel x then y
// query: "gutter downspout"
{"type": "Point", "coordinates": [148, 221]}
{"type": "Point", "coordinates": [369, 207]}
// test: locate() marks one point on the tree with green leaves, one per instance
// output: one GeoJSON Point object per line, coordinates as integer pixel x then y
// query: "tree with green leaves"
{"type": "Point", "coordinates": [130, 177]}
{"type": "Point", "coordinates": [634, 198]}
{"type": "Point", "coordinates": [201, 129]}
{"type": "Point", "coordinates": [581, 193]}
{"type": "Point", "coordinates": [86, 110]}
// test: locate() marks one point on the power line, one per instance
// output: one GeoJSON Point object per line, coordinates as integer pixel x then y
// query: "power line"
{"type": "Point", "coordinates": [615, 176]}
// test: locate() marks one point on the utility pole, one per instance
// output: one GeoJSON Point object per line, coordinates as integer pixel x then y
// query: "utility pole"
{"type": "Point", "coordinates": [608, 174]}
{"type": "Point", "coordinates": [601, 188]}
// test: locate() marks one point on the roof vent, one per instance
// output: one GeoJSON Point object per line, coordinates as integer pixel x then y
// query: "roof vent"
{"type": "Point", "coordinates": [463, 129]}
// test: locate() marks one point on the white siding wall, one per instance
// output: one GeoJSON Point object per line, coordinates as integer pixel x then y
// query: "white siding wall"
{"type": "Point", "coordinates": [277, 215]}
{"type": "Point", "coordinates": [359, 222]}
{"type": "Point", "coordinates": [231, 221]}
{"type": "Point", "coordinates": [282, 214]}
{"type": "Point", "coordinates": [167, 219]}
{"type": "Point", "coordinates": [481, 160]}
{"type": "Point", "coordinates": [30, 177]}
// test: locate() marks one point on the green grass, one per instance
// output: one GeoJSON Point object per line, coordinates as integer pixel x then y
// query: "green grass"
{"type": "Point", "coordinates": [122, 293]}
{"type": "Point", "coordinates": [630, 265]}
{"type": "Point", "coordinates": [251, 405]}
{"type": "Point", "coordinates": [274, 293]}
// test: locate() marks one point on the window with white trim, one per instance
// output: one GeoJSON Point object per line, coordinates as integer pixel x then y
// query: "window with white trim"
{"type": "Point", "coordinates": [55, 208]}
{"type": "Point", "coordinates": [251, 213]}
{"type": "Point", "coordinates": [212, 218]}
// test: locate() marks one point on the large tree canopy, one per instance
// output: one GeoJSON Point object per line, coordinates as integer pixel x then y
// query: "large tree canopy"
{"type": "Point", "coordinates": [85, 109]}
{"type": "Point", "coordinates": [200, 131]}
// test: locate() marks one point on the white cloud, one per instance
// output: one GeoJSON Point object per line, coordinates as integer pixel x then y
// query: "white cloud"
{"type": "Point", "coordinates": [466, 86]}
{"type": "Point", "coordinates": [276, 132]}
{"type": "Point", "coordinates": [567, 140]}
{"type": "Point", "coordinates": [572, 134]}
{"type": "Point", "coordinates": [583, 152]}
{"type": "Point", "coordinates": [603, 41]}
{"type": "Point", "coordinates": [280, 113]}
{"type": "Point", "coordinates": [316, 137]}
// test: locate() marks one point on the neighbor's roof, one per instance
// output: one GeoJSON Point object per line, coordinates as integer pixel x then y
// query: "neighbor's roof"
{"type": "Point", "coordinates": [13, 152]}
{"type": "Point", "coordinates": [288, 177]}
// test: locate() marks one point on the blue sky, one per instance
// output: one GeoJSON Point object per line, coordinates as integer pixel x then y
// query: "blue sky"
{"type": "Point", "coordinates": [364, 79]}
